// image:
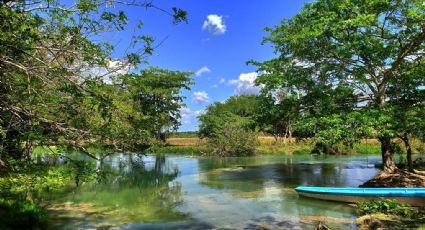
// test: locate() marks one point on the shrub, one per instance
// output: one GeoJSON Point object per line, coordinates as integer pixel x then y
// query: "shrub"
{"type": "Point", "coordinates": [21, 215]}
{"type": "Point", "coordinates": [389, 206]}
{"type": "Point", "coordinates": [233, 140]}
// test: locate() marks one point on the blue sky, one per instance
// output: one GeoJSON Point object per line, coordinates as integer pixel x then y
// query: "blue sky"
{"type": "Point", "coordinates": [218, 40]}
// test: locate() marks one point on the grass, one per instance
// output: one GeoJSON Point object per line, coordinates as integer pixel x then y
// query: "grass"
{"type": "Point", "coordinates": [20, 191]}
{"type": "Point", "coordinates": [267, 145]}
{"type": "Point", "coordinates": [185, 141]}
{"type": "Point", "coordinates": [384, 206]}
{"type": "Point", "coordinates": [18, 214]}
{"type": "Point", "coordinates": [284, 148]}
{"type": "Point", "coordinates": [367, 148]}
{"type": "Point", "coordinates": [192, 145]}
{"type": "Point", "coordinates": [196, 146]}
{"type": "Point", "coordinates": [180, 150]}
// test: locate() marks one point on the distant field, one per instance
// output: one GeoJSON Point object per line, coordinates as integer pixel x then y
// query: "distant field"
{"type": "Point", "coordinates": [185, 141]}
{"type": "Point", "coordinates": [268, 145]}
{"type": "Point", "coordinates": [191, 141]}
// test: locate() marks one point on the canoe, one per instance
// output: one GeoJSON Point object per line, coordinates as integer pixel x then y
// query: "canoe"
{"type": "Point", "coordinates": [412, 196]}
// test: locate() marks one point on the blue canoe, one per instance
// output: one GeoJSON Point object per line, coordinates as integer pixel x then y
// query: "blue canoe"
{"type": "Point", "coordinates": [412, 196]}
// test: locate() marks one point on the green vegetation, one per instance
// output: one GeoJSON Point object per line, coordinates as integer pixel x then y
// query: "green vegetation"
{"type": "Point", "coordinates": [21, 189]}
{"type": "Point", "coordinates": [367, 149]}
{"type": "Point", "coordinates": [180, 150]}
{"type": "Point", "coordinates": [64, 89]}
{"type": "Point", "coordinates": [389, 214]}
{"type": "Point", "coordinates": [183, 134]}
{"type": "Point", "coordinates": [385, 207]}
{"type": "Point", "coordinates": [21, 215]}
{"type": "Point", "coordinates": [61, 87]}
{"type": "Point", "coordinates": [344, 71]}
{"type": "Point", "coordinates": [228, 127]}
{"type": "Point", "coordinates": [347, 70]}
{"type": "Point", "coordinates": [233, 140]}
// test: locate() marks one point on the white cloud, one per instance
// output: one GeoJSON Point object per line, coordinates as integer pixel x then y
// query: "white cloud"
{"type": "Point", "coordinates": [245, 84]}
{"type": "Point", "coordinates": [202, 70]}
{"type": "Point", "coordinates": [200, 97]}
{"type": "Point", "coordinates": [113, 68]}
{"type": "Point", "coordinates": [214, 24]}
{"type": "Point", "coordinates": [222, 81]}
{"type": "Point", "coordinates": [214, 86]}
{"type": "Point", "coordinates": [188, 116]}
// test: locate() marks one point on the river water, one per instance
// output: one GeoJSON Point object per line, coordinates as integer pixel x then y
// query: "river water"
{"type": "Point", "coordinates": [178, 192]}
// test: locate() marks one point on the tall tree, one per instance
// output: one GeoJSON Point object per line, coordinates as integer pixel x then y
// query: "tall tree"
{"type": "Point", "coordinates": [54, 70]}
{"type": "Point", "coordinates": [365, 45]}
{"type": "Point", "coordinates": [157, 93]}
{"type": "Point", "coordinates": [277, 114]}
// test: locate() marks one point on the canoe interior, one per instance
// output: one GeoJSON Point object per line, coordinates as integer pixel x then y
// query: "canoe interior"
{"type": "Point", "coordinates": [374, 192]}
{"type": "Point", "coordinates": [413, 201]}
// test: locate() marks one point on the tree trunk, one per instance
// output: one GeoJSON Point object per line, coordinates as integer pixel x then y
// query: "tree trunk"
{"type": "Point", "coordinates": [290, 134]}
{"type": "Point", "coordinates": [286, 135]}
{"type": "Point", "coordinates": [276, 136]}
{"type": "Point", "coordinates": [408, 152]}
{"type": "Point", "coordinates": [2, 165]}
{"type": "Point", "coordinates": [387, 154]}
{"type": "Point", "coordinates": [29, 147]}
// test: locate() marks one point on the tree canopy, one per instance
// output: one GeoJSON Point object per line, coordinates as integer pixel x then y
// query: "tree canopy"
{"type": "Point", "coordinates": [353, 54]}
{"type": "Point", "coordinates": [62, 84]}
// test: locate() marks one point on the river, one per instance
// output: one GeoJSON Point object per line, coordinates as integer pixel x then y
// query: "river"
{"type": "Point", "coordinates": [177, 192]}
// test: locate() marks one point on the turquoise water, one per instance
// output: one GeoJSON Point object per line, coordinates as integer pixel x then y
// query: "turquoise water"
{"type": "Point", "coordinates": [176, 192]}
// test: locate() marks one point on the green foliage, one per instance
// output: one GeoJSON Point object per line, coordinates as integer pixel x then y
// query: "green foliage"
{"type": "Point", "coordinates": [60, 84]}
{"type": "Point", "coordinates": [21, 215]}
{"type": "Point", "coordinates": [233, 140]}
{"type": "Point", "coordinates": [230, 126]}
{"type": "Point", "coordinates": [277, 115]}
{"type": "Point", "coordinates": [389, 206]}
{"type": "Point", "coordinates": [237, 109]}
{"type": "Point", "coordinates": [354, 67]}
{"type": "Point", "coordinates": [367, 149]}
{"type": "Point", "coordinates": [187, 134]}
{"type": "Point", "coordinates": [20, 192]}
{"type": "Point", "coordinates": [180, 150]}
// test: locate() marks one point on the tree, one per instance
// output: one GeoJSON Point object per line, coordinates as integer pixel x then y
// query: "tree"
{"type": "Point", "coordinates": [54, 71]}
{"type": "Point", "coordinates": [364, 45]}
{"type": "Point", "coordinates": [230, 127]}
{"type": "Point", "coordinates": [407, 103]}
{"type": "Point", "coordinates": [157, 93]}
{"type": "Point", "coordinates": [241, 108]}
{"type": "Point", "coordinates": [277, 115]}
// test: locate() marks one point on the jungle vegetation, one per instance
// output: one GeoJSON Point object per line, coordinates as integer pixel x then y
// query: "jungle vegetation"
{"type": "Point", "coordinates": [343, 71]}
{"type": "Point", "coordinates": [62, 86]}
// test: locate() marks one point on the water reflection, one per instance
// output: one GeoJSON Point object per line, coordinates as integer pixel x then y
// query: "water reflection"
{"type": "Point", "coordinates": [132, 189]}
{"type": "Point", "coordinates": [286, 172]}
{"type": "Point", "coordinates": [159, 192]}
{"type": "Point", "coordinates": [268, 184]}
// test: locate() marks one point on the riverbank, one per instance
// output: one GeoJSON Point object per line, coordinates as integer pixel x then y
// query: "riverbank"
{"type": "Point", "coordinates": [400, 178]}
{"type": "Point", "coordinates": [387, 221]}
{"type": "Point", "coordinates": [389, 214]}
{"type": "Point", "coordinates": [163, 191]}
{"type": "Point", "coordinates": [267, 146]}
